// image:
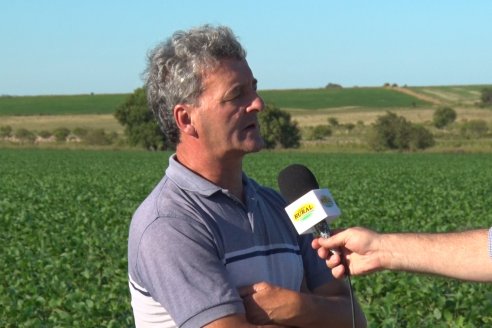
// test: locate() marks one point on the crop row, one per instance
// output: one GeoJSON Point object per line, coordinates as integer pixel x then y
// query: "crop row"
{"type": "Point", "coordinates": [65, 215]}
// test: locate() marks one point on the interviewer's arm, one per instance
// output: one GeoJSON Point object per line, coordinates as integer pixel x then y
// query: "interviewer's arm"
{"type": "Point", "coordinates": [461, 255]}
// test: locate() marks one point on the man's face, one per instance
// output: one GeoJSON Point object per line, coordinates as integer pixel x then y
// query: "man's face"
{"type": "Point", "coordinates": [225, 117]}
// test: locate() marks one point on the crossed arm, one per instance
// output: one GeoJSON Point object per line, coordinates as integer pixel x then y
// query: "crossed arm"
{"type": "Point", "coordinates": [271, 306]}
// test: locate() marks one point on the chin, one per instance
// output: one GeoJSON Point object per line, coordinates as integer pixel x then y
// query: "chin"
{"type": "Point", "coordinates": [259, 144]}
{"type": "Point", "coordinates": [251, 145]}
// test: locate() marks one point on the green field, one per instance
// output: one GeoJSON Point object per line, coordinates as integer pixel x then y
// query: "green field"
{"type": "Point", "coordinates": [61, 105]}
{"type": "Point", "coordinates": [65, 215]}
{"type": "Point", "coordinates": [308, 99]}
{"type": "Point", "coordinates": [330, 98]}
{"type": "Point", "coordinates": [305, 99]}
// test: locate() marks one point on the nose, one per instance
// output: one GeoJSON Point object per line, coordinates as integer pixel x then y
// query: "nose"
{"type": "Point", "coordinates": [257, 104]}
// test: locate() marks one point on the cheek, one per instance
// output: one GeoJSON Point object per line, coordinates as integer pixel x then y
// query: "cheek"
{"type": "Point", "coordinates": [215, 131]}
{"type": "Point", "coordinates": [221, 125]}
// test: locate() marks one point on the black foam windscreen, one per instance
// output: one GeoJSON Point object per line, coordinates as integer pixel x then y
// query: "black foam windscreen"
{"type": "Point", "coordinates": [296, 180]}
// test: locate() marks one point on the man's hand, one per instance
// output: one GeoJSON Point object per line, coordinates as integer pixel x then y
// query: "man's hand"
{"type": "Point", "coordinates": [267, 304]}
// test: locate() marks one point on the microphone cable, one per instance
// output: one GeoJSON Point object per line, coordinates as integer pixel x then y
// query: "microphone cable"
{"type": "Point", "coordinates": [323, 230]}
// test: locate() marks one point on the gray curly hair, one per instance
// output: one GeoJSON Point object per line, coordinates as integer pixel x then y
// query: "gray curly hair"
{"type": "Point", "coordinates": [175, 70]}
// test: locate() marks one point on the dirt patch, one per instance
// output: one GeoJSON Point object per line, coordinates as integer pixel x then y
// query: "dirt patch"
{"type": "Point", "coordinates": [418, 95]}
{"type": "Point", "coordinates": [418, 115]}
{"type": "Point", "coordinates": [50, 122]}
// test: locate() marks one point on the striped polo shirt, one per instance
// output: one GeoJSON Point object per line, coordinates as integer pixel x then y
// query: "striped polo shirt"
{"type": "Point", "coordinates": [192, 244]}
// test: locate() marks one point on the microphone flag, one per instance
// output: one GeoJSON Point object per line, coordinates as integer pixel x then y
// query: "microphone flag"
{"type": "Point", "coordinates": [312, 208]}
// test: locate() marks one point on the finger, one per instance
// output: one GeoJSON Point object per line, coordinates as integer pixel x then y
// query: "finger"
{"type": "Point", "coordinates": [245, 291]}
{"type": "Point", "coordinates": [254, 288]}
{"type": "Point", "coordinates": [333, 261]}
{"type": "Point", "coordinates": [335, 241]}
{"type": "Point", "coordinates": [338, 272]}
{"type": "Point", "coordinates": [324, 253]}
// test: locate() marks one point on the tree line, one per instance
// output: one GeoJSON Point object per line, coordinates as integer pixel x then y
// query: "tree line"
{"type": "Point", "coordinates": [142, 129]}
{"type": "Point", "coordinates": [390, 131]}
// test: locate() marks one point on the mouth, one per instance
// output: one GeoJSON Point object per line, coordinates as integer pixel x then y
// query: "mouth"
{"type": "Point", "coordinates": [251, 126]}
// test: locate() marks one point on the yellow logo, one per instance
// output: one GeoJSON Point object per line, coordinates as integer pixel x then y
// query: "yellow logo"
{"type": "Point", "coordinates": [303, 212]}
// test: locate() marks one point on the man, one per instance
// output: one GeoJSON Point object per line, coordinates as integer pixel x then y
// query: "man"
{"type": "Point", "coordinates": [463, 255]}
{"type": "Point", "coordinates": [209, 247]}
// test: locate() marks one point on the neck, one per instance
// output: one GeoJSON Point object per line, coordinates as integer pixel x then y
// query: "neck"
{"type": "Point", "coordinates": [221, 171]}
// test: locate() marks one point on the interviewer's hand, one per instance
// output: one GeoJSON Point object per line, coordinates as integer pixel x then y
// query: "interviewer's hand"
{"type": "Point", "coordinates": [360, 247]}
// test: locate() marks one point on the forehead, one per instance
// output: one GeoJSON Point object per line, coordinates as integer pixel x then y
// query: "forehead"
{"type": "Point", "coordinates": [228, 72]}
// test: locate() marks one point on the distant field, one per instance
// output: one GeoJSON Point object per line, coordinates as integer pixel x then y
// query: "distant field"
{"type": "Point", "coordinates": [308, 107]}
{"type": "Point", "coordinates": [301, 99]}
{"type": "Point", "coordinates": [50, 122]}
{"type": "Point", "coordinates": [453, 95]}
{"type": "Point", "coordinates": [60, 105]}
{"type": "Point", "coordinates": [346, 97]}
{"type": "Point", "coordinates": [343, 100]}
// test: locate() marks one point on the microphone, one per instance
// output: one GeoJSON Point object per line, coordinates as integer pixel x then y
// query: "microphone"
{"type": "Point", "coordinates": [310, 208]}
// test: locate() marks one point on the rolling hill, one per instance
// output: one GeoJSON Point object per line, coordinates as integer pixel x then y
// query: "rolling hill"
{"type": "Point", "coordinates": [382, 98]}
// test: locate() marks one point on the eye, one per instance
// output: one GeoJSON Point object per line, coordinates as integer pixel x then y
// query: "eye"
{"type": "Point", "coordinates": [233, 94]}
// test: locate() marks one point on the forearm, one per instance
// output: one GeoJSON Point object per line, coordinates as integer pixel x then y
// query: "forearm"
{"type": "Point", "coordinates": [328, 306]}
{"type": "Point", "coordinates": [238, 321]}
{"type": "Point", "coordinates": [461, 255]}
{"type": "Point", "coordinates": [322, 311]}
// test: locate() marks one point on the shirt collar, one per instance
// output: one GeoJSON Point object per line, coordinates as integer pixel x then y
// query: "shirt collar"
{"type": "Point", "coordinates": [188, 180]}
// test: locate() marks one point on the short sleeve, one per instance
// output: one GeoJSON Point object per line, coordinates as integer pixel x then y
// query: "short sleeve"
{"type": "Point", "coordinates": [180, 264]}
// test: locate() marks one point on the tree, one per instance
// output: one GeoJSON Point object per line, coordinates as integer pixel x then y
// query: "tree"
{"type": "Point", "coordinates": [80, 132]}
{"type": "Point", "coordinates": [45, 134]}
{"type": "Point", "coordinates": [421, 138]}
{"type": "Point", "coordinates": [23, 134]}
{"type": "Point", "coordinates": [333, 121]}
{"type": "Point", "coordinates": [444, 116]}
{"type": "Point", "coordinates": [391, 131]}
{"type": "Point", "coordinates": [99, 137]}
{"type": "Point", "coordinates": [141, 127]}
{"type": "Point", "coordinates": [61, 134]}
{"type": "Point", "coordinates": [486, 97]}
{"type": "Point", "coordinates": [349, 126]}
{"type": "Point", "coordinates": [5, 131]}
{"type": "Point", "coordinates": [319, 132]}
{"type": "Point", "coordinates": [277, 129]}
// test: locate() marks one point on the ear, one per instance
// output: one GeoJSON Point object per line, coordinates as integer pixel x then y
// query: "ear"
{"type": "Point", "coordinates": [182, 116]}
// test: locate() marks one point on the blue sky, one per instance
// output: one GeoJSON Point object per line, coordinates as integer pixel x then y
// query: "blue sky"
{"type": "Point", "coordinates": [77, 47]}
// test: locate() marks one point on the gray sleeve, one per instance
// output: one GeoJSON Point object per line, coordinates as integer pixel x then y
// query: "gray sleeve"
{"type": "Point", "coordinates": [180, 265]}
